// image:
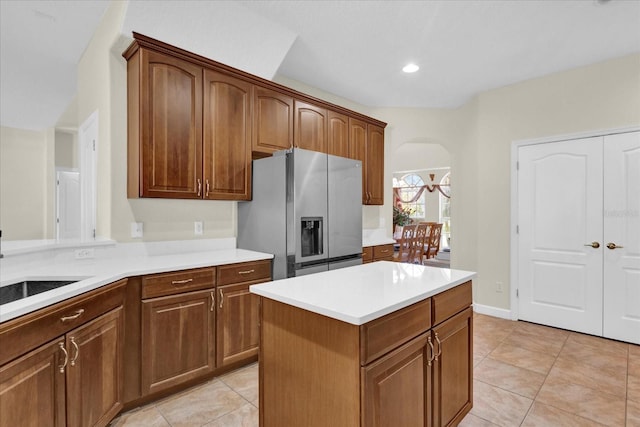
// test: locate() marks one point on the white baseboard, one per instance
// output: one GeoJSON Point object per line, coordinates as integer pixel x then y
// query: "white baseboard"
{"type": "Point", "coordinates": [492, 311]}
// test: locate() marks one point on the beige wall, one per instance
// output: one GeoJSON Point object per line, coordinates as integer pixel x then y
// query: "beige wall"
{"type": "Point", "coordinates": [26, 184]}
{"type": "Point", "coordinates": [66, 151]}
{"type": "Point", "coordinates": [102, 86]}
{"type": "Point", "coordinates": [596, 97]}
{"type": "Point", "coordinates": [478, 137]}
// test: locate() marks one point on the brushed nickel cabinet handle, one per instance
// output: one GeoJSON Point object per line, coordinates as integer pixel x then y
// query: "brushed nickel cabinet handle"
{"type": "Point", "coordinates": [246, 271]}
{"type": "Point", "coordinates": [66, 357]}
{"type": "Point", "coordinates": [199, 187]}
{"type": "Point", "coordinates": [75, 357]}
{"type": "Point", "coordinates": [433, 353]}
{"type": "Point", "coordinates": [613, 246]}
{"type": "Point", "coordinates": [439, 353]}
{"type": "Point", "coordinates": [221, 298]}
{"type": "Point", "coordinates": [594, 245]}
{"type": "Point", "coordinates": [213, 301]}
{"type": "Point", "coordinates": [181, 282]}
{"type": "Point", "coordinates": [74, 316]}
{"type": "Point", "coordinates": [207, 187]}
{"type": "Point", "coordinates": [384, 251]}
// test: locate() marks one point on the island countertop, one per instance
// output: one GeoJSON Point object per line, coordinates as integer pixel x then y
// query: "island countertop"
{"type": "Point", "coordinates": [360, 294]}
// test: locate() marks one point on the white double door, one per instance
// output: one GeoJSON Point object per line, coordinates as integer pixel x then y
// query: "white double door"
{"type": "Point", "coordinates": [579, 235]}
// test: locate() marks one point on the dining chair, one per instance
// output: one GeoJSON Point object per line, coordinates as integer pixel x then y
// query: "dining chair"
{"type": "Point", "coordinates": [421, 235]}
{"type": "Point", "coordinates": [406, 244]}
{"type": "Point", "coordinates": [432, 246]}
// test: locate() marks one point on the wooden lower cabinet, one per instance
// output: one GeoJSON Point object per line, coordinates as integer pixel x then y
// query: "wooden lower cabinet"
{"type": "Point", "coordinates": [397, 370]}
{"type": "Point", "coordinates": [75, 380]}
{"type": "Point", "coordinates": [237, 319]}
{"type": "Point", "coordinates": [453, 369]}
{"type": "Point", "coordinates": [396, 388]}
{"type": "Point", "coordinates": [34, 378]}
{"type": "Point", "coordinates": [177, 339]}
{"type": "Point", "coordinates": [377, 253]}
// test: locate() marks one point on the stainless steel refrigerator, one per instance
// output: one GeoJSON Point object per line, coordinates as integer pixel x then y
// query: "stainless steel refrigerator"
{"type": "Point", "coordinates": [306, 210]}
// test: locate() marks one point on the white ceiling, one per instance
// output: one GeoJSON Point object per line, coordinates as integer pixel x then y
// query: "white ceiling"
{"type": "Point", "coordinates": [354, 49]}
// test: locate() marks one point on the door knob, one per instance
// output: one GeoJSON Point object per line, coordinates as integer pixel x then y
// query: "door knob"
{"type": "Point", "coordinates": [595, 245]}
{"type": "Point", "coordinates": [613, 246]}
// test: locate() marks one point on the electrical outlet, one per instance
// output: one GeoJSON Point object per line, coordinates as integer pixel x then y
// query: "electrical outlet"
{"type": "Point", "coordinates": [198, 228]}
{"type": "Point", "coordinates": [86, 253]}
{"type": "Point", "coordinates": [499, 287]}
{"type": "Point", "coordinates": [136, 230]}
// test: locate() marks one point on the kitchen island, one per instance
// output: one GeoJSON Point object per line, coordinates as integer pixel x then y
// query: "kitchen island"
{"type": "Point", "coordinates": [379, 344]}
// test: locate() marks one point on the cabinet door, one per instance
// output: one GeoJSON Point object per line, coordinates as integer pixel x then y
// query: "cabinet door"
{"type": "Point", "coordinates": [453, 369]}
{"type": "Point", "coordinates": [226, 137]}
{"type": "Point", "coordinates": [358, 151]}
{"type": "Point", "coordinates": [237, 319]}
{"type": "Point", "coordinates": [171, 99]}
{"type": "Point", "coordinates": [32, 388]}
{"type": "Point", "coordinates": [272, 121]}
{"type": "Point", "coordinates": [338, 134]}
{"type": "Point", "coordinates": [310, 127]}
{"type": "Point", "coordinates": [396, 388]}
{"type": "Point", "coordinates": [375, 164]}
{"type": "Point", "coordinates": [94, 372]}
{"type": "Point", "coordinates": [177, 339]}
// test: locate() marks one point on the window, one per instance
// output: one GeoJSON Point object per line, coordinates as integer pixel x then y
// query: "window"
{"type": "Point", "coordinates": [409, 186]}
{"type": "Point", "coordinates": [445, 210]}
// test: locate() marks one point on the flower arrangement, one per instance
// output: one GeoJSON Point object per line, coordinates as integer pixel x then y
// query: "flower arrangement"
{"type": "Point", "coordinates": [402, 216]}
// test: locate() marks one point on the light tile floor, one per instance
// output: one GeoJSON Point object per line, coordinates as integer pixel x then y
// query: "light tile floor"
{"type": "Point", "coordinates": [524, 375]}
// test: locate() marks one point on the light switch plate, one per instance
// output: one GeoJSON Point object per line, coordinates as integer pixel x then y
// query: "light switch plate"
{"type": "Point", "coordinates": [136, 230]}
{"type": "Point", "coordinates": [198, 228]}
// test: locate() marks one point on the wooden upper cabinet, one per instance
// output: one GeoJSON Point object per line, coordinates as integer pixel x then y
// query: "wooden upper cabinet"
{"type": "Point", "coordinates": [226, 137]}
{"type": "Point", "coordinates": [358, 150]}
{"type": "Point", "coordinates": [338, 134]}
{"type": "Point", "coordinates": [375, 164]}
{"type": "Point", "coordinates": [272, 121]}
{"type": "Point", "coordinates": [171, 127]}
{"type": "Point", "coordinates": [310, 127]}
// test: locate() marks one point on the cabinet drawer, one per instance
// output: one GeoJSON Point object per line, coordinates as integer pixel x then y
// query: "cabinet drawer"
{"type": "Point", "coordinates": [382, 251]}
{"type": "Point", "coordinates": [244, 272]}
{"type": "Point", "coordinates": [157, 285]}
{"type": "Point", "coordinates": [32, 330]}
{"type": "Point", "coordinates": [367, 254]}
{"type": "Point", "coordinates": [386, 333]}
{"type": "Point", "coordinates": [450, 302]}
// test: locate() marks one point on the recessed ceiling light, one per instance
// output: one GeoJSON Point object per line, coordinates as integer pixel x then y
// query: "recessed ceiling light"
{"type": "Point", "coordinates": [410, 68]}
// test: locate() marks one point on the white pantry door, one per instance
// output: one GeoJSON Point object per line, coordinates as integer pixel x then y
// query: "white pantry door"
{"type": "Point", "coordinates": [622, 229]}
{"type": "Point", "coordinates": [68, 205]}
{"type": "Point", "coordinates": [560, 199]}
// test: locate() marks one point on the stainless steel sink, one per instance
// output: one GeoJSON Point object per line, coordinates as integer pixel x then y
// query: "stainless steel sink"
{"type": "Point", "coordinates": [27, 288]}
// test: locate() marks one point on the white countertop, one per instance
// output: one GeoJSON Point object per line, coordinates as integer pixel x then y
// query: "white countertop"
{"type": "Point", "coordinates": [363, 293]}
{"type": "Point", "coordinates": [98, 272]}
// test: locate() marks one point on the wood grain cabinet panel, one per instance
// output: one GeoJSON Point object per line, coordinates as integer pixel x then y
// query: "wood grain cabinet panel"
{"type": "Point", "coordinates": [272, 121]}
{"type": "Point", "coordinates": [396, 388]}
{"type": "Point", "coordinates": [94, 372]}
{"type": "Point", "coordinates": [453, 369]}
{"type": "Point", "coordinates": [237, 318]}
{"type": "Point", "coordinates": [75, 380]}
{"type": "Point", "coordinates": [374, 168]}
{"type": "Point", "coordinates": [338, 134]}
{"type": "Point", "coordinates": [170, 127]}
{"type": "Point", "coordinates": [34, 378]}
{"type": "Point", "coordinates": [226, 137]}
{"type": "Point", "coordinates": [310, 126]}
{"type": "Point", "coordinates": [358, 150]}
{"type": "Point", "coordinates": [177, 339]}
